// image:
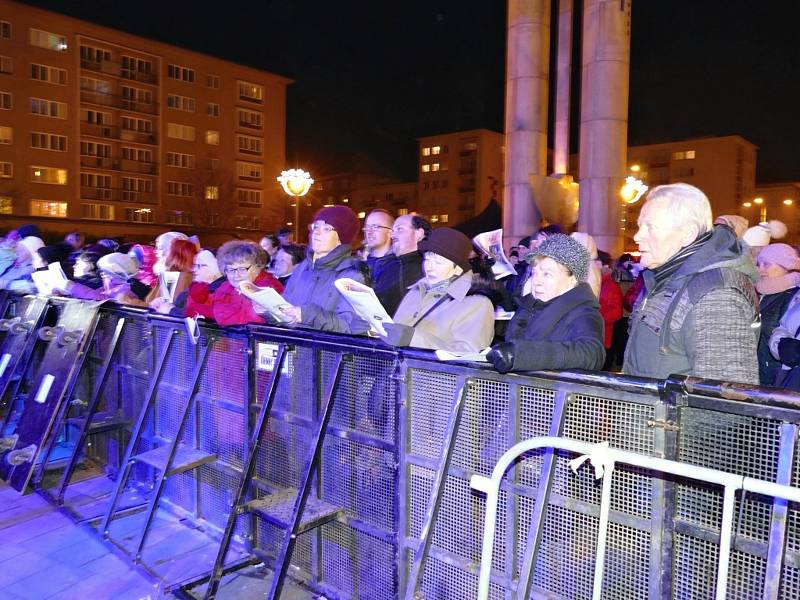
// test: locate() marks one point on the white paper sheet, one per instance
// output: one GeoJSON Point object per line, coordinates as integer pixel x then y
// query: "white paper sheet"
{"type": "Point", "coordinates": [266, 297]}
{"type": "Point", "coordinates": [491, 242]}
{"type": "Point", "coordinates": [366, 304]}
{"type": "Point", "coordinates": [463, 356]}
{"type": "Point", "coordinates": [51, 278]}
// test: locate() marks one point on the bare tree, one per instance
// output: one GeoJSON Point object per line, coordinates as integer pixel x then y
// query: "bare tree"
{"type": "Point", "coordinates": [213, 203]}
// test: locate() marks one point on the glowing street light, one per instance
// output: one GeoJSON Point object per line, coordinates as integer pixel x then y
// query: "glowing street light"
{"type": "Point", "coordinates": [758, 200]}
{"type": "Point", "coordinates": [632, 190]}
{"type": "Point", "coordinates": [297, 183]}
{"type": "Point", "coordinates": [788, 202]}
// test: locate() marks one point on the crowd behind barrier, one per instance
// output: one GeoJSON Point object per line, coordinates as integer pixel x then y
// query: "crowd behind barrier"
{"type": "Point", "coordinates": [406, 434]}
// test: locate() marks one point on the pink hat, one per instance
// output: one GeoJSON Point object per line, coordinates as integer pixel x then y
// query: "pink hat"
{"type": "Point", "coordinates": [780, 254]}
{"type": "Point", "coordinates": [342, 219]}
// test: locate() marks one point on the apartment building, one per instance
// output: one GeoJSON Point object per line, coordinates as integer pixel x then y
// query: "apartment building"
{"type": "Point", "coordinates": [115, 134]}
{"type": "Point", "coordinates": [458, 173]}
{"type": "Point", "coordinates": [776, 201]}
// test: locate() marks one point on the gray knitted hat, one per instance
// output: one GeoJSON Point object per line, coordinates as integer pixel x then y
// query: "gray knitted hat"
{"type": "Point", "coordinates": [565, 251]}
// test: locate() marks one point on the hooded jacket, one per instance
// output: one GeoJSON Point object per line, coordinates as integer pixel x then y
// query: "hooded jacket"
{"type": "Point", "coordinates": [563, 333]}
{"type": "Point", "coordinates": [321, 305]}
{"type": "Point", "coordinates": [703, 321]}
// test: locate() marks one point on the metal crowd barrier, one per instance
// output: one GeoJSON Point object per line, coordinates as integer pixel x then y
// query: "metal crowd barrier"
{"type": "Point", "coordinates": [153, 438]}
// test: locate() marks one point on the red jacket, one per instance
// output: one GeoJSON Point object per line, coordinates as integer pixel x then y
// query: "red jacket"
{"type": "Point", "coordinates": [610, 305]}
{"type": "Point", "coordinates": [229, 307]}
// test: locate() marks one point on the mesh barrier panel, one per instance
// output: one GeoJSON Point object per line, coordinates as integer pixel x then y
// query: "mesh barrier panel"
{"type": "Point", "coordinates": [362, 554]}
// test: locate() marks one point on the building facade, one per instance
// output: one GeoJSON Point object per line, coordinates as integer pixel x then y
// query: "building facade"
{"type": "Point", "coordinates": [459, 173]}
{"type": "Point", "coordinates": [117, 134]}
{"type": "Point", "coordinates": [776, 201]}
{"type": "Point", "coordinates": [723, 167]}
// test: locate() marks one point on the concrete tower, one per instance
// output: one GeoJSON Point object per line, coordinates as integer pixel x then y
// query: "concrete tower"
{"type": "Point", "coordinates": [527, 79]}
{"type": "Point", "coordinates": [604, 119]}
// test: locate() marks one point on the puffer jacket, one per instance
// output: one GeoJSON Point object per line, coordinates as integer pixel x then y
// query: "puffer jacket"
{"type": "Point", "coordinates": [321, 305]}
{"type": "Point", "coordinates": [563, 333]}
{"type": "Point", "coordinates": [703, 320]}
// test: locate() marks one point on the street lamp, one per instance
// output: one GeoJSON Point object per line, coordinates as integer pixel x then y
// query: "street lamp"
{"type": "Point", "coordinates": [296, 183]}
{"type": "Point", "coordinates": [632, 190]}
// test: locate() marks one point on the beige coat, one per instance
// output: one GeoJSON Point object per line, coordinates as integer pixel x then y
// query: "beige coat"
{"type": "Point", "coordinates": [460, 324]}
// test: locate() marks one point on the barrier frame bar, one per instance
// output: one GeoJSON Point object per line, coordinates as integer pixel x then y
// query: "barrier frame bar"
{"type": "Point", "coordinates": [604, 459]}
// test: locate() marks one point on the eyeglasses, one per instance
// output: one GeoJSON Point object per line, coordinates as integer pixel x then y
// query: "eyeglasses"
{"type": "Point", "coordinates": [374, 228]}
{"type": "Point", "coordinates": [322, 228]}
{"type": "Point", "coordinates": [238, 270]}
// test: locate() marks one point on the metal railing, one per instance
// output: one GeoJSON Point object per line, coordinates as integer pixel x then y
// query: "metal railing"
{"type": "Point", "coordinates": [407, 434]}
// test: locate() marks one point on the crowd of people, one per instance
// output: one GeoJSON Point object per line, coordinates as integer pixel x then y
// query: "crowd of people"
{"type": "Point", "coordinates": [701, 297]}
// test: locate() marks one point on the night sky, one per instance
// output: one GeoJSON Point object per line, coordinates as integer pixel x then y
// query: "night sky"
{"type": "Point", "coordinates": [371, 77]}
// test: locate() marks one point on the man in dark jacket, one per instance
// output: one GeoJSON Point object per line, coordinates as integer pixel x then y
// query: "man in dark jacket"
{"type": "Point", "coordinates": [699, 312]}
{"type": "Point", "coordinates": [392, 276]}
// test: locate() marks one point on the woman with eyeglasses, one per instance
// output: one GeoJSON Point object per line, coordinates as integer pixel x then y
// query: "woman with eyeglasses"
{"type": "Point", "coordinates": [316, 303]}
{"type": "Point", "coordinates": [240, 261]}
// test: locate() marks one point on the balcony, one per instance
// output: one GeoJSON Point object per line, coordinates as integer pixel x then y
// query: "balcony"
{"type": "Point", "coordinates": [140, 137]}
{"type": "Point", "coordinates": [96, 162]}
{"type": "Point", "coordinates": [132, 75]}
{"type": "Point", "coordinates": [103, 66]}
{"type": "Point", "coordinates": [136, 166]}
{"type": "Point", "coordinates": [248, 125]}
{"type": "Point", "coordinates": [149, 108]}
{"type": "Point", "coordinates": [93, 97]}
{"type": "Point", "coordinates": [98, 193]}
{"type": "Point", "coordinates": [104, 131]}
{"type": "Point", "coordinates": [136, 196]}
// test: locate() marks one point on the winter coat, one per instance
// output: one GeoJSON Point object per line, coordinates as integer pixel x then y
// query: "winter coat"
{"type": "Point", "coordinates": [788, 325]}
{"type": "Point", "coordinates": [462, 323]}
{"type": "Point", "coordinates": [773, 306]}
{"type": "Point", "coordinates": [563, 333]}
{"type": "Point", "coordinates": [610, 306]}
{"type": "Point", "coordinates": [392, 276]}
{"type": "Point", "coordinates": [17, 278]}
{"type": "Point", "coordinates": [197, 299]}
{"type": "Point", "coordinates": [230, 307]}
{"type": "Point", "coordinates": [321, 305]}
{"type": "Point", "coordinates": [703, 321]}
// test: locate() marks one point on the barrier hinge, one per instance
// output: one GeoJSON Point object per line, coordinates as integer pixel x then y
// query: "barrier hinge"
{"type": "Point", "coordinates": [666, 425]}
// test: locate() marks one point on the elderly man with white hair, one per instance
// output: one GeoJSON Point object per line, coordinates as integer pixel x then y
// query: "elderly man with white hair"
{"type": "Point", "coordinates": [699, 313]}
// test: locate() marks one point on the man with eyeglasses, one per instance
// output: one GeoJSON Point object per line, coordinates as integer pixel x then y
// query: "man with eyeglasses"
{"type": "Point", "coordinates": [403, 267]}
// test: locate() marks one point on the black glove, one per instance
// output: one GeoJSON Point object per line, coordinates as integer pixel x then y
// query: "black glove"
{"type": "Point", "coordinates": [397, 334]}
{"type": "Point", "coordinates": [789, 351]}
{"type": "Point", "coordinates": [502, 356]}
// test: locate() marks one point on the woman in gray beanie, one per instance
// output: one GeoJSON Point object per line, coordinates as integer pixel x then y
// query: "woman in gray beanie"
{"type": "Point", "coordinates": [558, 325]}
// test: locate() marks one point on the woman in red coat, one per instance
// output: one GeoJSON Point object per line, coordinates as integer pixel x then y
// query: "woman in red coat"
{"type": "Point", "coordinates": [240, 261]}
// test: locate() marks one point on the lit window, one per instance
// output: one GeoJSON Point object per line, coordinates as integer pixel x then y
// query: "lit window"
{"type": "Point", "coordinates": [361, 215]}
{"type": "Point", "coordinates": [434, 218]}
{"type": "Point", "coordinates": [6, 205]}
{"type": "Point", "coordinates": [426, 151]}
{"type": "Point", "coordinates": [435, 167]}
{"type": "Point", "coordinates": [139, 215]}
{"type": "Point", "coordinates": [689, 154]}
{"type": "Point", "coordinates": [443, 218]}
{"type": "Point", "coordinates": [180, 132]}
{"type": "Point", "coordinates": [45, 39]}
{"type": "Point", "coordinates": [402, 211]}
{"type": "Point", "coordinates": [49, 175]}
{"type": "Point", "coordinates": [46, 208]}
{"type": "Point", "coordinates": [212, 137]}
{"type": "Point", "coordinates": [6, 170]}
{"type": "Point", "coordinates": [211, 192]}
{"type": "Point", "coordinates": [426, 168]}
{"type": "Point", "coordinates": [251, 92]}
{"type": "Point", "coordinates": [6, 101]}
{"type": "Point", "coordinates": [436, 150]}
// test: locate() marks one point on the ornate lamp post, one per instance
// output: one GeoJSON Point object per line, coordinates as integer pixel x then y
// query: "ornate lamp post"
{"type": "Point", "coordinates": [296, 183]}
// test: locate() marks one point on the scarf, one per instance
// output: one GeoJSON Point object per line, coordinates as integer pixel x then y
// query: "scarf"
{"type": "Point", "coordinates": [656, 278]}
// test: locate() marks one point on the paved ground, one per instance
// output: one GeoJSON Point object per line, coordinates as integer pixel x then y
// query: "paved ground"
{"type": "Point", "coordinates": [44, 555]}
